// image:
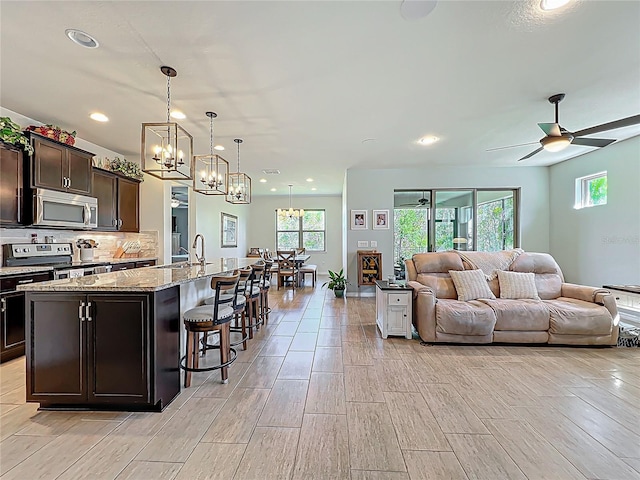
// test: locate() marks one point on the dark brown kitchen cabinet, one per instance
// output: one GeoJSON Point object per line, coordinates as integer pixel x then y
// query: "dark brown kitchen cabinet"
{"type": "Point", "coordinates": [57, 166]}
{"type": "Point", "coordinates": [103, 350]}
{"type": "Point", "coordinates": [145, 263]}
{"type": "Point", "coordinates": [115, 267]}
{"type": "Point", "coordinates": [118, 201]}
{"type": "Point", "coordinates": [11, 199]}
{"type": "Point", "coordinates": [12, 313]}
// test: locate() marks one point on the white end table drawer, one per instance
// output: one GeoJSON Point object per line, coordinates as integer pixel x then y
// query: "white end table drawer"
{"type": "Point", "coordinates": [399, 298]}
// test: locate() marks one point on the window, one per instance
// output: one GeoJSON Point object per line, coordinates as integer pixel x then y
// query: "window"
{"type": "Point", "coordinates": [495, 221]}
{"type": "Point", "coordinates": [306, 232]}
{"type": "Point", "coordinates": [591, 190]}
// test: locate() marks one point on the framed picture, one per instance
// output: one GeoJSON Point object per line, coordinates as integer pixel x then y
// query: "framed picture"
{"type": "Point", "coordinates": [359, 220]}
{"type": "Point", "coordinates": [380, 219]}
{"type": "Point", "coordinates": [229, 231]}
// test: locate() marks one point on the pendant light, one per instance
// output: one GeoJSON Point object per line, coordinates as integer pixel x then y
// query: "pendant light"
{"type": "Point", "coordinates": [166, 148]}
{"type": "Point", "coordinates": [291, 212]}
{"type": "Point", "coordinates": [210, 172]}
{"type": "Point", "coordinates": [239, 183]}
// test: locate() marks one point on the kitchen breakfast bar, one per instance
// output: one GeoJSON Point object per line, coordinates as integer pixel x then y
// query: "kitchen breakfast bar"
{"type": "Point", "coordinates": [112, 341]}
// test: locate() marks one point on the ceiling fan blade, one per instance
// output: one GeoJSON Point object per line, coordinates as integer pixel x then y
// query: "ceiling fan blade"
{"type": "Point", "coordinates": [592, 142]}
{"type": "Point", "coordinates": [551, 129]}
{"type": "Point", "coordinates": [510, 146]}
{"type": "Point", "coordinates": [623, 122]}
{"type": "Point", "coordinates": [531, 154]}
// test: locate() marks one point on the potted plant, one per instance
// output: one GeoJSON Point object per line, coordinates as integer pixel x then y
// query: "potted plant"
{"type": "Point", "coordinates": [338, 283]}
{"type": "Point", "coordinates": [11, 133]}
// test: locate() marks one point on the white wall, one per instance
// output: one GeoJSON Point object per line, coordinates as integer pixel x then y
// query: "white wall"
{"type": "Point", "coordinates": [373, 189]}
{"type": "Point", "coordinates": [262, 230]}
{"type": "Point", "coordinates": [598, 245]}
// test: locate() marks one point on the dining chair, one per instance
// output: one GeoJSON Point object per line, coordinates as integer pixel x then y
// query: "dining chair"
{"type": "Point", "coordinates": [287, 267]}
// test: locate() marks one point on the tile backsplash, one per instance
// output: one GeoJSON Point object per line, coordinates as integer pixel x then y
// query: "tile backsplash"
{"type": "Point", "coordinates": [108, 242]}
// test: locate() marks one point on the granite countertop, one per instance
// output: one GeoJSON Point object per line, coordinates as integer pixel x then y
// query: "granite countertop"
{"type": "Point", "coordinates": [149, 279]}
{"type": "Point", "coordinates": [47, 268]}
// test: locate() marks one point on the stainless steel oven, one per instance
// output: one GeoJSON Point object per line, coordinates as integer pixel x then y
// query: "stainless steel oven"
{"type": "Point", "coordinates": [61, 209]}
{"type": "Point", "coordinates": [74, 272]}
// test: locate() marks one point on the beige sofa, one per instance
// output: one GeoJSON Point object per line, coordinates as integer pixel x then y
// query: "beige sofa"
{"type": "Point", "coordinates": [565, 314]}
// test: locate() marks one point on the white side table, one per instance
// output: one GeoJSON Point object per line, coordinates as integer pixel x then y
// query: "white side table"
{"type": "Point", "coordinates": [393, 309]}
{"type": "Point", "coordinates": [627, 301]}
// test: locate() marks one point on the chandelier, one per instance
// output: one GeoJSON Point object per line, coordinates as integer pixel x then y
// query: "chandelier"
{"type": "Point", "coordinates": [239, 183]}
{"type": "Point", "coordinates": [166, 148]}
{"type": "Point", "coordinates": [210, 171]}
{"type": "Point", "coordinates": [291, 212]}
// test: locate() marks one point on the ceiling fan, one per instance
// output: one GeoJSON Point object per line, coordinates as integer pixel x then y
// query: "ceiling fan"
{"type": "Point", "coordinates": [422, 202]}
{"type": "Point", "coordinates": [558, 138]}
{"type": "Point", "coordinates": [176, 202]}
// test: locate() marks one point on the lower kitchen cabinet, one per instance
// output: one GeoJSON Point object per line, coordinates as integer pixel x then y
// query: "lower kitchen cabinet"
{"type": "Point", "coordinates": [114, 351]}
{"type": "Point", "coordinates": [12, 325]}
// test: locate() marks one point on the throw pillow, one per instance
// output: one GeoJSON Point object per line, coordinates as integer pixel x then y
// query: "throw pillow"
{"type": "Point", "coordinates": [471, 284]}
{"type": "Point", "coordinates": [517, 285]}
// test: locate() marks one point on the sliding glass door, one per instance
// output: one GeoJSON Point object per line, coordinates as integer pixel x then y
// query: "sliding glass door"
{"type": "Point", "coordinates": [453, 220]}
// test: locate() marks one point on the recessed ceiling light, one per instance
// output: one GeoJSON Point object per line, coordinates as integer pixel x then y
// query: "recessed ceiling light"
{"type": "Point", "coordinates": [309, 179]}
{"type": "Point", "coordinates": [552, 4]}
{"type": "Point", "coordinates": [273, 189]}
{"type": "Point", "coordinates": [314, 188]}
{"type": "Point", "coordinates": [178, 115]}
{"type": "Point", "coordinates": [99, 117]}
{"type": "Point", "coordinates": [218, 147]}
{"type": "Point", "coordinates": [263, 180]}
{"type": "Point", "coordinates": [81, 38]}
{"type": "Point", "coordinates": [428, 140]}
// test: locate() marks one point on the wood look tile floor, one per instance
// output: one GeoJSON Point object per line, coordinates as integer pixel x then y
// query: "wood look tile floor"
{"type": "Point", "coordinates": [320, 395]}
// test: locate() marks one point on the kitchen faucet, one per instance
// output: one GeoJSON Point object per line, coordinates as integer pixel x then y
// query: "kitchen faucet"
{"type": "Point", "coordinates": [200, 258]}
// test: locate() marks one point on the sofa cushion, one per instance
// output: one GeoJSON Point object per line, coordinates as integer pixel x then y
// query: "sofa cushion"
{"type": "Point", "coordinates": [464, 318]}
{"type": "Point", "coordinates": [519, 315]}
{"type": "Point", "coordinates": [437, 262]}
{"type": "Point", "coordinates": [518, 285]}
{"type": "Point", "coordinates": [569, 316]}
{"type": "Point", "coordinates": [471, 285]}
{"type": "Point", "coordinates": [548, 274]}
{"type": "Point", "coordinates": [440, 283]}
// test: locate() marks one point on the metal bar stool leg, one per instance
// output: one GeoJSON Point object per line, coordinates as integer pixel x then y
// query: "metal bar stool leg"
{"type": "Point", "coordinates": [187, 373]}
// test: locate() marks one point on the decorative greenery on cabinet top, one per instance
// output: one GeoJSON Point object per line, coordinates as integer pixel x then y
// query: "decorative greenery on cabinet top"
{"type": "Point", "coordinates": [11, 133]}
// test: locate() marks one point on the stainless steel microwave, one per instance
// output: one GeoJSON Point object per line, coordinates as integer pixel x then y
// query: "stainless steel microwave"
{"type": "Point", "coordinates": [61, 209]}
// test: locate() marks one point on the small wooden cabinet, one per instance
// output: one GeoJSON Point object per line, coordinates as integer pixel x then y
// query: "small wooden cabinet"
{"type": "Point", "coordinates": [61, 167]}
{"type": "Point", "coordinates": [369, 267]}
{"type": "Point", "coordinates": [118, 201]}
{"type": "Point", "coordinates": [393, 309]}
{"type": "Point", "coordinates": [11, 185]}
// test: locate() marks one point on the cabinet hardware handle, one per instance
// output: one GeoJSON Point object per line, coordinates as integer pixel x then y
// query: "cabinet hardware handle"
{"type": "Point", "coordinates": [88, 312]}
{"type": "Point", "coordinates": [69, 182]}
{"type": "Point", "coordinates": [80, 311]}
{"type": "Point", "coordinates": [119, 222]}
{"type": "Point", "coordinates": [114, 222]}
{"type": "Point", "coordinates": [3, 301]}
{"type": "Point", "coordinates": [22, 282]}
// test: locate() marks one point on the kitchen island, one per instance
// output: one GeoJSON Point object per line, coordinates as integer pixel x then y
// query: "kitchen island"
{"type": "Point", "coordinates": [112, 340]}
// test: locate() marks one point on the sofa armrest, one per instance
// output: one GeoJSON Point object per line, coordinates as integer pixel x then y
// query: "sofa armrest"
{"type": "Point", "coordinates": [424, 310]}
{"type": "Point", "coordinates": [582, 292]}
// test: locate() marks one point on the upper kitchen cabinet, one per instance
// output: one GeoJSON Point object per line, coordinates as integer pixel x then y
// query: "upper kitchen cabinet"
{"type": "Point", "coordinates": [11, 199]}
{"type": "Point", "coordinates": [118, 201]}
{"type": "Point", "coordinates": [57, 166]}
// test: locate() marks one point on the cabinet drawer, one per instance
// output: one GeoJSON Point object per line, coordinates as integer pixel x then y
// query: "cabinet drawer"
{"type": "Point", "coordinates": [398, 299]}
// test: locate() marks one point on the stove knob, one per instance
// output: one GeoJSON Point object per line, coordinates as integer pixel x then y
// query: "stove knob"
{"type": "Point", "coordinates": [25, 250]}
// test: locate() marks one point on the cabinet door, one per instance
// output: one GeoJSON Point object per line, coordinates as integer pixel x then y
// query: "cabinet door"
{"type": "Point", "coordinates": [10, 186]}
{"type": "Point", "coordinates": [396, 316]}
{"type": "Point", "coordinates": [122, 266]}
{"type": "Point", "coordinates": [118, 357]}
{"type": "Point", "coordinates": [128, 205]}
{"type": "Point", "coordinates": [49, 165]}
{"type": "Point", "coordinates": [79, 172]}
{"type": "Point", "coordinates": [56, 375]}
{"type": "Point", "coordinates": [105, 189]}
{"type": "Point", "coordinates": [12, 341]}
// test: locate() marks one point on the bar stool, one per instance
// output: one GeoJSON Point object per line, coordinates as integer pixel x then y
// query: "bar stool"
{"type": "Point", "coordinates": [251, 291]}
{"type": "Point", "coordinates": [265, 285]}
{"type": "Point", "coordinates": [239, 311]}
{"type": "Point", "coordinates": [255, 297]}
{"type": "Point", "coordinates": [207, 319]}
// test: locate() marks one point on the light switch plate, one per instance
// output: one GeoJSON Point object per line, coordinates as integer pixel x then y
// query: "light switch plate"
{"type": "Point", "coordinates": [363, 243]}
{"type": "Point", "coordinates": [374, 243]}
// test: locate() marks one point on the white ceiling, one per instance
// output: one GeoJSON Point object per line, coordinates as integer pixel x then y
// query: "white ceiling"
{"type": "Point", "coordinates": [304, 83]}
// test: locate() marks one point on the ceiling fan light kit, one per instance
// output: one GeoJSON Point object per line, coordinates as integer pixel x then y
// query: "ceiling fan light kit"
{"type": "Point", "coordinates": [556, 144]}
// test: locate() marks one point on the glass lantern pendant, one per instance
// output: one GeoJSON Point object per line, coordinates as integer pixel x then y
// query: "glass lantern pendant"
{"type": "Point", "coordinates": [167, 148]}
{"type": "Point", "coordinates": [239, 183]}
{"type": "Point", "coordinates": [211, 172]}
